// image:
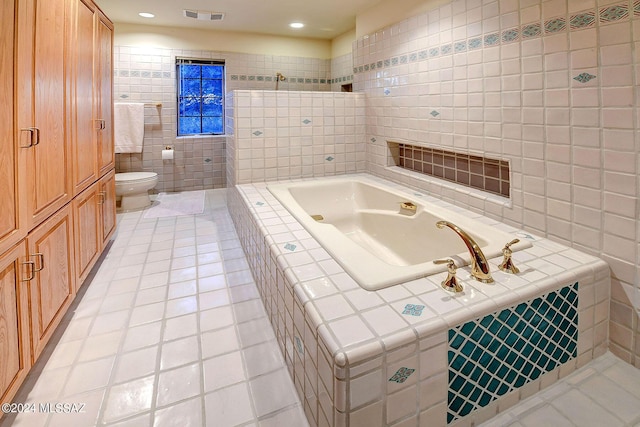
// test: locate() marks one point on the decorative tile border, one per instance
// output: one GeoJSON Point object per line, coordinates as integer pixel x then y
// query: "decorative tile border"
{"type": "Point", "coordinates": [291, 80]}
{"type": "Point", "coordinates": [574, 22]}
{"type": "Point", "coordinates": [582, 20]}
{"type": "Point", "coordinates": [613, 13]}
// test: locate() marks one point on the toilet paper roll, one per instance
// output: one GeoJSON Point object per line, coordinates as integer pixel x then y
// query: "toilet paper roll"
{"type": "Point", "coordinates": [167, 154]}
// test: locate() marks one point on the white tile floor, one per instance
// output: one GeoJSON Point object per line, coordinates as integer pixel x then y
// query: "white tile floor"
{"type": "Point", "coordinates": [171, 332]}
{"type": "Point", "coordinates": [604, 393]}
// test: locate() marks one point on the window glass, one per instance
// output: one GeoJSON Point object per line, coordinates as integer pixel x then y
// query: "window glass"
{"type": "Point", "coordinates": [200, 97]}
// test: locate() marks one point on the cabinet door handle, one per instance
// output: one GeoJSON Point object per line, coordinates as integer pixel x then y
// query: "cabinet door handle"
{"type": "Point", "coordinates": [31, 271]}
{"type": "Point", "coordinates": [34, 136]}
{"type": "Point", "coordinates": [40, 262]}
{"type": "Point", "coordinates": [102, 124]}
{"type": "Point", "coordinates": [37, 132]}
{"type": "Point", "coordinates": [102, 197]}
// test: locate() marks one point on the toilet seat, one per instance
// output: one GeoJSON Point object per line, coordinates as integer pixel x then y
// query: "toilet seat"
{"type": "Point", "coordinates": [128, 177]}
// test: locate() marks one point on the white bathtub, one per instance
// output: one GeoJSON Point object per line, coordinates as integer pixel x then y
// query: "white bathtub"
{"type": "Point", "coordinates": [379, 244]}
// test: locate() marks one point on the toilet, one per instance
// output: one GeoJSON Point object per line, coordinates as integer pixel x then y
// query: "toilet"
{"type": "Point", "coordinates": [132, 189]}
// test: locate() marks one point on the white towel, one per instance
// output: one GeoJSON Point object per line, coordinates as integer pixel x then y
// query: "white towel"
{"type": "Point", "coordinates": [128, 124]}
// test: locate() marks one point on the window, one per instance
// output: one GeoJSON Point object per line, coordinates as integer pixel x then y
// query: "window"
{"type": "Point", "coordinates": [200, 97]}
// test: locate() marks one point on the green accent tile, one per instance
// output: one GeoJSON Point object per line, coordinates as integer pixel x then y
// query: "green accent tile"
{"type": "Point", "coordinates": [555, 25]}
{"type": "Point", "coordinates": [582, 20]}
{"type": "Point", "coordinates": [503, 351]}
{"type": "Point", "coordinates": [492, 39]}
{"type": "Point", "coordinates": [510, 35]}
{"type": "Point", "coordinates": [460, 46]}
{"type": "Point", "coordinates": [475, 43]}
{"type": "Point", "coordinates": [614, 13]}
{"type": "Point", "coordinates": [531, 30]}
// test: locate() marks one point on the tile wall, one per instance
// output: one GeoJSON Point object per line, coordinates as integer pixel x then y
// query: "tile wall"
{"type": "Point", "coordinates": [341, 72]}
{"type": "Point", "coordinates": [277, 135]}
{"type": "Point", "coordinates": [549, 86]}
{"type": "Point", "coordinates": [143, 74]}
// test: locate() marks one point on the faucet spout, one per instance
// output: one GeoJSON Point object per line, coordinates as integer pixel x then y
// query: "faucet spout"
{"type": "Point", "coordinates": [479, 265]}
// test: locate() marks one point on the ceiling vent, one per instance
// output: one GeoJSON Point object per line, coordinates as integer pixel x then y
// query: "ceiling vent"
{"type": "Point", "coordinates": [203, 15]}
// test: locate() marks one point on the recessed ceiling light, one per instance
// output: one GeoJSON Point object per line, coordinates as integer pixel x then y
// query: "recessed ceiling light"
{"type": "Point", "coordinates": [296, 25]}
{"type": "Point", "coordinates": [147, 15]}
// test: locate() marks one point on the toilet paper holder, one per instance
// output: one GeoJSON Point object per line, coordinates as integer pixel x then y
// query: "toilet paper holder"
{"type": "Point", "coordinates": [167, 153]}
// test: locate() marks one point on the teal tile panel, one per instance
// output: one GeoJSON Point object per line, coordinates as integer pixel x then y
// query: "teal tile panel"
{"type": "Point", "coordinates": [505, 350]}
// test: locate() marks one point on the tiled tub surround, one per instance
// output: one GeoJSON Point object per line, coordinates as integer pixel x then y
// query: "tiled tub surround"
{"type": "Point", "coordinates": [276, 135]}
{"type": "Point", "coordinates": [380, 358]}
{"type": "Point", "coordinates": [550, 86]}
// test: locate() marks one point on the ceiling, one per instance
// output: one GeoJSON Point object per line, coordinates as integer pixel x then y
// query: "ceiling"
{"type": "Point", "coordinates": [323, 19]}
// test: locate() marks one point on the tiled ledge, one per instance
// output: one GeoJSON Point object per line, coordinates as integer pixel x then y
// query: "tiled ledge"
{"type": "Point", "coordinates": [545, 266]}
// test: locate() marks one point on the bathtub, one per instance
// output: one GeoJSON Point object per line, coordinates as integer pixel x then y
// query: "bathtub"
{"type": "Point", "coordinates": [398, 356]}
{"type": "Point", "coordinates": [364, 227]}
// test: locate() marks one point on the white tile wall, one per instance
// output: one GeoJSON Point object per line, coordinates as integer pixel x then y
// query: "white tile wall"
{"type": "Point", "coordinates": [276, 135]}
{"type": "Point", "coordinates": [143, 74]}
{"type": "Point", "coordinates": [550, 86]}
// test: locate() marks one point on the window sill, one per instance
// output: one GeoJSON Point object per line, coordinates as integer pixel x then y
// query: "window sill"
{"type": "Point", "coordinates": [200, 136]}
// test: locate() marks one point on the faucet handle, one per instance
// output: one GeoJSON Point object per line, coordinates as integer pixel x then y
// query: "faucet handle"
{"type": "Point", "coordinates": [451, 282]}
{"type": "Point", "coordinates": [507, 263]}
{"type": "Point", "coordinates": [513, 242]}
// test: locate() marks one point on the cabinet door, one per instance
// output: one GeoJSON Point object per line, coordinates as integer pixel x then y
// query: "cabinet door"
{"type": "Point", "coordinates": [14, 322]}
{"type": "Point", "coordinates": [42, 94]}
{"type": "Point", "coordinates": [52, 289]}
{"type": "Point", "coordinates": [104, 86]}
{"type": "Point", "coordinates": [84, 120]}
{"type": "Point", "coordinates": [12, 228]}
{"type": "Point", "coordinates": [108, 217]}
{"type": "Point", "coordinates": [86, 213]}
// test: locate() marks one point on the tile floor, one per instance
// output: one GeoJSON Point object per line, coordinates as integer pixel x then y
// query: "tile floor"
{"type": "Point", "coordinates": [170, 331]}
{"type": "Point", "coordinates": [604, 393]}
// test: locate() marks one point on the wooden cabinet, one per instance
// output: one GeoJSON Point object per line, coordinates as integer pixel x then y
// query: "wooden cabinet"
{"type": "Point", "coordinates": [15, 359]}
{"type": "Point", "coordinates": [95, 223]}
{"type": "Point", "coordinates": [87, 212]}
{"type": "Point", "coordinates": [52, 288]}
{"type": "Point", "coordinates": [104, 93]}
{"type": "Point", "coordinates": [43, 85]}
{"type": "Point", "coordinates": [108, 206]}
{"type": "Point", "coordinates": [12, 226]}
{"type": "Point", "coordinates": [56, 139]}
{"type": "Point", "coordinates": [92, 116]}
